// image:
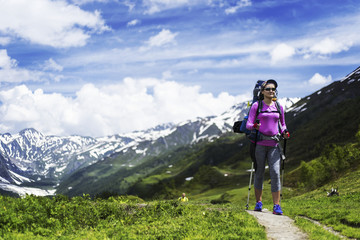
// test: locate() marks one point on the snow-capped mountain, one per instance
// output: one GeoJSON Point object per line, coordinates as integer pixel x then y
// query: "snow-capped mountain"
{"type": "Point", "coordinates": [31, 156]}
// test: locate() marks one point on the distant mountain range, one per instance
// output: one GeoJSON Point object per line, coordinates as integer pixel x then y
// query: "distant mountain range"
{"type": "Point", "coordinates": [33, 159]}
{"type": "Point", "coordinates": [34, 163]}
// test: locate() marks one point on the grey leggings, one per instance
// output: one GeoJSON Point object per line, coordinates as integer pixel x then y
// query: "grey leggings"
{"type": "Point", "coordinates": [272, 154]}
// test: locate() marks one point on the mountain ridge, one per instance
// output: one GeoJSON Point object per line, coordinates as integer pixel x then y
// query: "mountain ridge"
{"type": "Point", "coordinates": [47, 158]}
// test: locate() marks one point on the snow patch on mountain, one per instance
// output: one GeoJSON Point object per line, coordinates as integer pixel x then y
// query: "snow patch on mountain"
{"type": "Point", "coordinates": [23, 191]}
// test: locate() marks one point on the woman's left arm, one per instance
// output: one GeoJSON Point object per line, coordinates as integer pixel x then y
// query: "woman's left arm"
{"type": "Point", "coordinates": [284, 132]}
{"type": "Point", "coordinates": [282, 120]}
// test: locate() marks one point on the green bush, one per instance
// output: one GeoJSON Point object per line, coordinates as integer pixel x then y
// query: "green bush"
{"type": "Point", "coordinates": [334, 161]}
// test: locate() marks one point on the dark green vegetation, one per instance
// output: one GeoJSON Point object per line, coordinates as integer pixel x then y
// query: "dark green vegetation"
{"type": "Point", "coordinates": [332, 164]}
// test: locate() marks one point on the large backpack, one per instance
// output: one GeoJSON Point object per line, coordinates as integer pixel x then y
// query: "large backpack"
{"type": "Point", "coordinates": [240, 126]}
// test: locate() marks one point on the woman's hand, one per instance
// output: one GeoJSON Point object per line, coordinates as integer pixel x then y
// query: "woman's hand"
{"type": "Point", "coordinates": [286, 134]}
{"type": "Point", "coordinates": [257, 125]}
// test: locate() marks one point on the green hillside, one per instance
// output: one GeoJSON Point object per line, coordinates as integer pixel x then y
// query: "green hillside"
{"type": "Point", "coordinates": [317, 122]}
{"type": "Point", "coordinates": [222, 162]}
{"type": "Point", "coordinates": [335, 124]}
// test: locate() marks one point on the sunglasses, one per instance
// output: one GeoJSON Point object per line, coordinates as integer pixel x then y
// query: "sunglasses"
{"type": "Point", "coordinates": [270, 89]}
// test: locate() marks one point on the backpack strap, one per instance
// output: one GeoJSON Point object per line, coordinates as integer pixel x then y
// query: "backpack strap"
{"type": "Point", "coordinates": [278, 107]}
{"type": "Point", "coordinates": [260, 105]}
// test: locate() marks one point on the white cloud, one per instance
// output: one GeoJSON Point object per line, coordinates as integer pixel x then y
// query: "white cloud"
{"type": "Point", "coordinates": [162, 38]}
{"type": "Point", "coordinates": [22, 108]}
{"type": "Point", "coordinates": [10, 71]}
{"type": "Point", "coordinates": [133, 22]}
{"type": "Point", "coordinates": [329, 46]}
{"type": "Point", "coordinates": [82, 2]}
{"type": "Point", "coordinates": [131, 105]}
{"type": "Point", "coordinates": [52, 23]}
{"type": "Point", "coordinates": [281, 52]}
{"type": "Point", "coordinates": [129, 4]}
{"type": "Point", "coordinates": [167, 75]}
{"type": "Point", "coordinates": [239, 4]}
{"type": "Point", "coordinates": [154, 6]}
{"type": "Point", "coordinates": [318, 80]}
{"type": "Point", "coordinates": [52, 66]}
{"type": "Point", "coordinates": [5, 61]}
{"type": "Point", "coordinates": [5, 40]}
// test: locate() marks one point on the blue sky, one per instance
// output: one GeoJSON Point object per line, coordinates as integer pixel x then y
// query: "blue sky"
{"type": "Point", "coordinates": [101, 67]}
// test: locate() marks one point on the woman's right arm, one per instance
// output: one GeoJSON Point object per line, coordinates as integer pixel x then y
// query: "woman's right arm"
{"type": "Point", "coordinates": [252, 115]}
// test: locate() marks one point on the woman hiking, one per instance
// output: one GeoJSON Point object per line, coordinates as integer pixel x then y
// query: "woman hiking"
{"type": "Point", "coordinates": [270, 123]}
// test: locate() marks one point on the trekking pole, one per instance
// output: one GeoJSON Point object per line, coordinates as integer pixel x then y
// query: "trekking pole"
{"type": "Point", "coordinates": [251, 171]}
{"type": "Point", "coordinates": [283, 167]}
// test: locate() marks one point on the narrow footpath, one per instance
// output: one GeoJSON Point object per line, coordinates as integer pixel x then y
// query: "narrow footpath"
{"type": "Point", "coordinates": [278, 227]}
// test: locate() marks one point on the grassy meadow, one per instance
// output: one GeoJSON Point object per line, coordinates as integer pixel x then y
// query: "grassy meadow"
{"type": "Point", "coordinates": [122, 218]}
{"type": "Point", "coordinates": [216, 209]}
{"type": "Point", "coordinates": [129, 217]}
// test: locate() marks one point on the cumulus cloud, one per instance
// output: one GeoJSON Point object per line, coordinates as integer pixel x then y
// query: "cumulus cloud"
{"type": "Point", "coordinates": [5, 61]}
{"type": "Point", "coordinates": [281, 52]}
{"type": "Point", "coordinates": [10, 71]}
{"type": "Point", "coordinates": [133, 104]}
{"type": "Point", "coordinates": [239, 4]}
{"type": "Point", "coordinates": [319, 80]}
{"type": "Point", "coordinates": [52, 23]}
{"type": "Point", "coordinates": [329, 46]}
{"type": "Point", "coordinates": [22, 108]}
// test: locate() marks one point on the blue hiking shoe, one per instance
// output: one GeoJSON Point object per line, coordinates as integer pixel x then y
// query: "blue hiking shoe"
{"type": "Point", "coordinates": [277, 210]}
{"type": "Point", "coordinates": [258, 206]}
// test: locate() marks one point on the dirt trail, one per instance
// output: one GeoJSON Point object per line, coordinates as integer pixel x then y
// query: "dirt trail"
{"type": "Point", "coordinates": [278, 227]}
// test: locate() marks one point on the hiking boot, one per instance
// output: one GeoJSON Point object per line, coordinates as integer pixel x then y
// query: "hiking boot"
{"type": "Point", "coordinates": [277, 210]}
{"type": "Point", "coordinates": [258, 206]}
